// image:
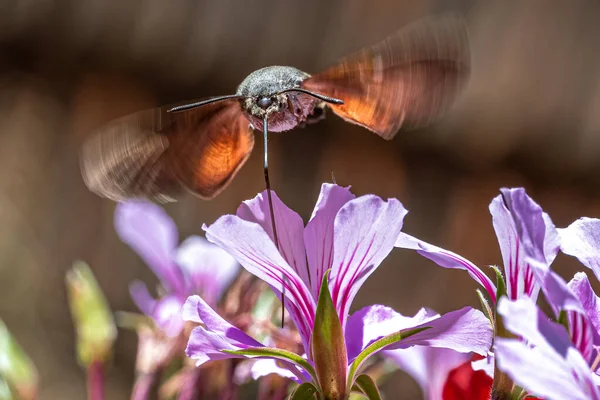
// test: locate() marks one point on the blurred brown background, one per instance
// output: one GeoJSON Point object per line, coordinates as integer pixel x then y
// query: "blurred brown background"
{"type": "Point", "coordinates": [530, 116]}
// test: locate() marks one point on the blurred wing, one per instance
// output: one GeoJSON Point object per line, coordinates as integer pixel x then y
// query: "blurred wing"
{"type": "Point", "coordinates": [407, 79]}
{"type": "Point", "coordinates": [155, 154]}
{"type": "Point", "coordinates": [207, 152]}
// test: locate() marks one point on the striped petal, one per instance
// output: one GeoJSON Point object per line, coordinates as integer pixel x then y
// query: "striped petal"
{"type": "Point", "coordinates": [511, 208]}
{"type": "Point", "coordinates": [289, 225]}
{"type": "Point", "coordinates": [561, 297]}
{"type": "Point", "coordinates": [365, 230]}
{"type": "Point", "coordinates": [318, 234]}
{"type": "Point", "coordinates": [208, 342]}
{"type": "Point", "coordinates": [545, 362]}
{"type": "Point", "coordinates": [447, 259]}
{"type": "Point", "coordinates": [252, 247]}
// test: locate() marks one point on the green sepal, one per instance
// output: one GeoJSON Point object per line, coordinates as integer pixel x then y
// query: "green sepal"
{"type": "Point", "coordinates": [94, 323]}
{"type": "Point", "coordinates": [368, 387]}
{"type": "Point", "coordinates": [376, 346]}
{"type": "Point", "coordinates": [518, 393]}
{"type": "Point", "coordinates": [563, 319]}
{"type": "Point", "coordinates": [305, 391]}
{"type": "Point", "coordinates": [500, 283]}
{"type": "Point", "coordinates": [271, 352]}
{"type": "Point", "coordinates": [500, 330]}
{"type": "Point", "coordinates": [485, 307]}
{"type": "Point", "coordinates": [17, 371]}
{"type": "Point", "coordinates": [329, 347]}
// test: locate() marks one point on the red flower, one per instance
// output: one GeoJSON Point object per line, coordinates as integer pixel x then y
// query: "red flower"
{"type": "Point", "coordinates": [465, 384]}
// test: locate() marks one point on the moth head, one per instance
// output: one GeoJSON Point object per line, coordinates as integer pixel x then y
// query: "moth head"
{"type": "Point", "coordinates": [265, 105]}
{"type": "Point", "coordinates": [264, 89]}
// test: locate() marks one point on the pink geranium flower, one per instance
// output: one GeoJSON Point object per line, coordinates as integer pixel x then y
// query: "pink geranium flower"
{"type": "Point", "coordinates": [194, 267]}
{"type": "Point", "coordinates": [322, 266]}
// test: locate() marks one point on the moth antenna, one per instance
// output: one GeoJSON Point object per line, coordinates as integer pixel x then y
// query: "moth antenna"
{"type": "Point", "coordinates": [189, 106]}
{"type": "Point", "coordinates": [270, 200]}
{"type": "Point", "coordinates": [327, 99]}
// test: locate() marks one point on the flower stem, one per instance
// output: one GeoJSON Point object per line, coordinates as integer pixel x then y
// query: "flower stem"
{"type": "Point", "coordinates": [95, 381]}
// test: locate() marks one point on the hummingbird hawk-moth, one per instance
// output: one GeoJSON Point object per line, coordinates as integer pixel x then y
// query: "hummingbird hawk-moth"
{"type": "Point", "coordinates": [404, 81]}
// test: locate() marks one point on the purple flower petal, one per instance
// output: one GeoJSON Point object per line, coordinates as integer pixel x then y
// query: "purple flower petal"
{"type": "Point", "coordinates": [209, 268]}
{"type": "Point", "coordinates": [250, 245]}
{"type": "Point", "coordinates": [299, 321]}
{"type": "Point", "coordinates": [541, 242]}
{"type": "Point", "coordinates": [167, 315]}
{"type": "Point", "coordinates": [165, 312]}
{"type": "Point", "coordinates": [582, 334]}
{"type": "Point", "coordinates": [256, 368]}
{"type": "Point", "coordinates": [373, 322]}
{"type": "Point", "coordinates": [290, 229]}
{"type": "Point", "coordinates": [558, 294]}
{"type": "Point", "coordinates": [465, 330]}
{"type": "Point", "coordinates": [543, 373]}
{"type": "Point", "coordinates": [536, 231]}
{"type": "Point", "coordinates": [580, 286]}
{"type": "Point", "coordinates": [581, 239]}
{"type": "Point", "coordinates": [524, 319]}
{"type": "Point", "coordinates": [428, 366]}
{"type": "Point", "coordinates": [318, 234]}
{"type": "Point", "coordinates": [149, 231]}
{"type": "Point", "coordinates": [562, 298]}
{"type": "Point", "coordinates": [447, 259]}
{"type": "Point", "coordinates": [189, 311]}
{"type": "Point", "coordinates": [547, 364]}
{"type": "Point", "coordinates": [205, 345]}
{"type": "Point", "coordinates": [208, 342]}
{"type": "Point", "coordinates": [216, 324]}
{"type": "Point", "coordinates": [519, 276]}
{"type": "Point", "coordinates": [585, 326]}
{"type": "Point", "coordinates": [365, 230]}
{"type": "Point", "coordinates": [267, 366]}
{"type": "Point", "coordinates": [142, 297]}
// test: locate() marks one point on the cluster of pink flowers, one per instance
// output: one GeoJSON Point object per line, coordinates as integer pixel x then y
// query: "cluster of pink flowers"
{"type": "Point", "coordinates": [318, 269]}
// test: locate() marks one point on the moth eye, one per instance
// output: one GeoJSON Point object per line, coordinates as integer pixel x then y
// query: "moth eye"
{"type": "Point", "coordinates": [298, 82]}
{"type": "Point", "coordinates": [264, 102]}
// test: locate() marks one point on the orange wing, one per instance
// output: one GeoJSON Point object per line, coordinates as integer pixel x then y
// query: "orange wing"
{"type": "Point", "coordinates": [156, 154]}
{"type": "Point", "coordinates": [407, 79]}
{"type": "Point", "coordinates": [218, 144]}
